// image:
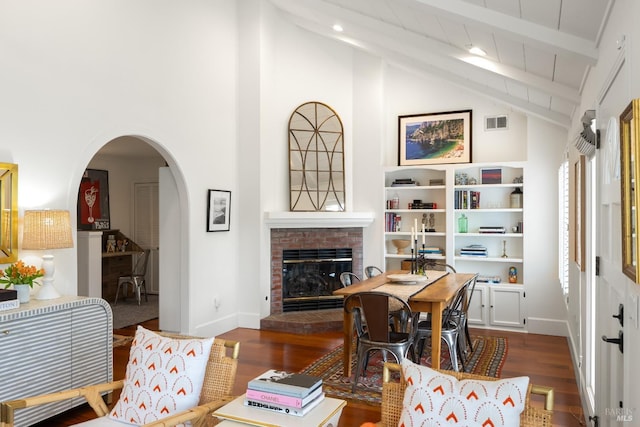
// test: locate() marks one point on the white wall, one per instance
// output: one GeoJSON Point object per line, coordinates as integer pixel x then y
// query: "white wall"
{"type": "Point", "coordinates": [211, 86]}
{"type": "Point", "coordinates": [296, 67]}
{"type": "Point", "coordinates": [77, 74]}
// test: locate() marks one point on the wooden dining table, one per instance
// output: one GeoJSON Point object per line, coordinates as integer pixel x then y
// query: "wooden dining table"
{"type": "Point", "coordinates": [433, 299]}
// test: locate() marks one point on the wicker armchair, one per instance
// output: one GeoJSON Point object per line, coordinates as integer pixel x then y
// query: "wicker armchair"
{"type": "Point", "coordinates": [216, 391]}
{"type": "Point", "coordinates": [393, 394]}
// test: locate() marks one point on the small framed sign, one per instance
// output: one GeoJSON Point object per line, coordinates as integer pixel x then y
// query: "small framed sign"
{"type": "Point", "coordinates": [218, 210]}
{"type": "Point", "coordinates": [491, 175]}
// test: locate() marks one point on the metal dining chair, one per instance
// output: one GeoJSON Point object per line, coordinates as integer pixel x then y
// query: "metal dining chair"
{"type": "Point", "coordinates": [450, 331]}
{"type": "Point", "coordinates": [374, 309]}
{"type": "Point", "coordinates": [136, 278]}
{"type": "Point", "coordinates": [371, 271]}
{"type": "Point", "coordinates": [347, 278]}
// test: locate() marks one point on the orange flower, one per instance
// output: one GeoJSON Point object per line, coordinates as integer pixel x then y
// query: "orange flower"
{"type": "Point", "coordinates": [20, 274]}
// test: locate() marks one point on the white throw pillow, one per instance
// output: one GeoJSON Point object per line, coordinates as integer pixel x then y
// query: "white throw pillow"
{"type": "Point", "coordinates": [436, 399]}
{"type": "Point", "coordinates": [164, 376]}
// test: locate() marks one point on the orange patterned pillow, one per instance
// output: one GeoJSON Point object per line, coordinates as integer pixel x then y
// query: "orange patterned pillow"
{"type": "Point", "coordinates": [434, 399]}
{"type": "Point", "coordinates": [164, 376]}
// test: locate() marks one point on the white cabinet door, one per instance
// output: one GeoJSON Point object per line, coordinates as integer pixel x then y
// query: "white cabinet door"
{"type": "Point", "coordinates": [506, 307]}
{"type": "Point", "coordinates": [477, 312]}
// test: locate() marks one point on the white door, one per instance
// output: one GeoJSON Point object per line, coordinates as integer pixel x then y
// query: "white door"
{"type": "Point", "coordinates": [146, 229]}
{"type": "Point", "coordinates": [604, 375]}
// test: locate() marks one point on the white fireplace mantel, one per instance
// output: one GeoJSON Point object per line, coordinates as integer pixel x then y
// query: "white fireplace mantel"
{"type": "Point", "coordinates": [318, 219]}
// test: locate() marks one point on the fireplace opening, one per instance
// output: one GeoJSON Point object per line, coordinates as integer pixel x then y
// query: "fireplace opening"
{"type": "Point", "coordinates": [309, 277]}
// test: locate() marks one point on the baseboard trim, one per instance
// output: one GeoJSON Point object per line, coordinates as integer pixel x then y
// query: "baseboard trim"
{"type": "Point", "coordinates": [543, 326]}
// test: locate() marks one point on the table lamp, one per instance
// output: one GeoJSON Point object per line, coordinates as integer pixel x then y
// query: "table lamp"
{"type": "Point", "coordinates": [46, 230]}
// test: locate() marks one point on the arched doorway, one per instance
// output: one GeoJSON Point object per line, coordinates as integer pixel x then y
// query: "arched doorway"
{"type": "Point", "coordinates": [134, 166]}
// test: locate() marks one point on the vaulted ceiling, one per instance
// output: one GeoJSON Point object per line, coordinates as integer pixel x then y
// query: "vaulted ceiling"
{"type": "Point", "coordinates": [538, 52]}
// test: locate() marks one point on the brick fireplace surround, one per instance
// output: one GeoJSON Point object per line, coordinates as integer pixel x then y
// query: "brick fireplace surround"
{"type": "Point", "coordinates": [307, 238]}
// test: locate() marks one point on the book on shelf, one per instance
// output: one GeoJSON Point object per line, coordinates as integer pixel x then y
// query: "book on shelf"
{"type": "Point", "coordinates": [404, 182]}
{"type": "Point", "coordinates": [473, 251]}
{"type": "Point", "coordinates": [466, 199]}
{"type": "Point", "coordinates": [274, 407]}
{"type": "Point", "coordinates": [288, 384]}
{"type": "Point", "coordinates": [281, 399]}
{"type": "Point", "coordinates": [475, 248]}
{"type": "Point", "coordinates": [8, 294]}
{"type": "Point", "coordinates": [9, 304]}
{"type": "Point", "coordinates": [430, 250]}
{"type": "Point", "coordinates": [489, 279]}
{"type": "Point", "coordinates": [491, 230]}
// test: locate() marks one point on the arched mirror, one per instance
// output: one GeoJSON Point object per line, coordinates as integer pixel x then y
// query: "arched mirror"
{"type": "Point", "coordinates": [630, 168]}
{"type": "Point", "coordinates": [316, 159]}
{"type": "Point", "coordinates": [9, 209]}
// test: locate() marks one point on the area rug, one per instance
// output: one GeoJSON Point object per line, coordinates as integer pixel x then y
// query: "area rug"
{"type": "Point", "coordinates": [487, 359]}
{"type": "Point", "coordinates": [127, 312]}
{"type": "Point", "coordinates": [121, 340]}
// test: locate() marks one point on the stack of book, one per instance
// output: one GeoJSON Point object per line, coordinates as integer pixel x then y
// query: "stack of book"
{"type": "Point", "coordinates": [474, 251]}
{"type": "Point", "coordinates": [491, 230]}
{"type": "Point", "coordinates": [286, 393]}
{"type": "Point", "coordinates": [489, 279]}
{"type": "Point", "coordinates": [430, 250]}
{"type": "Point", "coordinates": [404, 182]}
{"type": "Point", "coordinates": [8, 299]}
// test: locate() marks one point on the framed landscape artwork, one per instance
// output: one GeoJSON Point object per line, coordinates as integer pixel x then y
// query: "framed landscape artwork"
{"type": "Point", "coordinates": [436, 138]}
{"type": "Point", "coordinates": [218, 210]}
{"type": "Point", "coordinates": [93, 200]}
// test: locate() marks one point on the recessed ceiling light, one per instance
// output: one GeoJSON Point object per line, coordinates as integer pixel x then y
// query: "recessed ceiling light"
{"type": "Point", "coordinates": [476, 51]}
{"type": "Point", "coordinates": [338, 28]}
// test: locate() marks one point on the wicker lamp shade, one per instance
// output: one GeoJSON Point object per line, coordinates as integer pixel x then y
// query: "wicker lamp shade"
{"type": "Point", "coordinates": [47, 229]}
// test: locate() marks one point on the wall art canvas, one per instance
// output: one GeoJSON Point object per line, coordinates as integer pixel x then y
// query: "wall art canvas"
{"type": "Point", "coordinates": [437, 138]}
{"type": "Point", "coordinates": [93, 201]}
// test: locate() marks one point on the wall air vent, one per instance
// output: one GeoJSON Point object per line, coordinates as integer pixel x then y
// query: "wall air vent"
{"type": "Point", "coordinates": [496, 122]}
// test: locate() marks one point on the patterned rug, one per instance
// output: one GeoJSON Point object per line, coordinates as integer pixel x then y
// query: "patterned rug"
{"type": "Point", "coordinates": [487, 359]}
{"type": "Point", "coordinates": [121, 340]}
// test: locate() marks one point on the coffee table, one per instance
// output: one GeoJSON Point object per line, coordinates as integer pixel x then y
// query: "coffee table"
{"type": "Point", "coordinates": [236, 414]}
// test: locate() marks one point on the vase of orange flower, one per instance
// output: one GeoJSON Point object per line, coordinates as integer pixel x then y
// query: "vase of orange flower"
{"type": "Point", "coordinates": [22, 277]}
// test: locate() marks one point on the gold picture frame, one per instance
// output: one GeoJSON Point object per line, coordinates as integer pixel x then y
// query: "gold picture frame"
{"type": "Point", "coordinates": [630, 170]}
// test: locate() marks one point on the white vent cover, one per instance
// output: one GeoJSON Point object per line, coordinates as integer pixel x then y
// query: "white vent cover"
{"type": "Point", "coordinates": [496, 122]}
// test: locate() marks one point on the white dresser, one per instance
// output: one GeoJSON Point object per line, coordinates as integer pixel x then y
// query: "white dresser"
{"type": "Point", "coordinates": [47, 346]}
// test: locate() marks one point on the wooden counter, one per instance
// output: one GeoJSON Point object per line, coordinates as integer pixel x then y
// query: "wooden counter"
{"type": "Point", "coordinates": [116, 264]}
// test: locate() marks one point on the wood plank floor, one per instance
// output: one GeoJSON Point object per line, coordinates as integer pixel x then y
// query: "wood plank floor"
{"type": "Point", "coordinates": [545, 359]}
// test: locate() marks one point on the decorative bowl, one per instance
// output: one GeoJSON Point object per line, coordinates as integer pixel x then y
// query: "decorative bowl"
{"type": "Point", "coordinates": [400, 245]}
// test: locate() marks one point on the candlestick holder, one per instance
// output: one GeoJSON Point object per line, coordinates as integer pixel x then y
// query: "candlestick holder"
{"type": "Point", "coordinates": [504, 249]}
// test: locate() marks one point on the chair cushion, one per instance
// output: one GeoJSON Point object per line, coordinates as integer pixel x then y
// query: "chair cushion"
{"type": "Point", "coordinates": [434, 398]}
{"type": "Point", "coordinates": [164, 376]}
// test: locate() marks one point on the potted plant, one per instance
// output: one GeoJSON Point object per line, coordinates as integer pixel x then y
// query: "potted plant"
{"type": "Point", "coordinates": [22, 277]}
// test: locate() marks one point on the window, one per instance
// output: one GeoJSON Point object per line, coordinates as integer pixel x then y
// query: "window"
{"type": "Point", "coordinates": [563, 224]}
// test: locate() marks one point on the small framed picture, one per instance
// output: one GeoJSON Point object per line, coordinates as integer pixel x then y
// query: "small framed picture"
{"type": "Point", "coordinates": [218, 210]}
{"type": "Point", "coordinates": [491, 175]}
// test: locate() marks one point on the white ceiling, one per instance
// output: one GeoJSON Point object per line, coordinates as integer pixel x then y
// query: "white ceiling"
{"type": "Point", "coordinates": [539, 52]}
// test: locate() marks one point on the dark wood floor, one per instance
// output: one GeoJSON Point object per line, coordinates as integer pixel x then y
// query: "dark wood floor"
{"type": "Point", "coordinates": [545, 359]}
